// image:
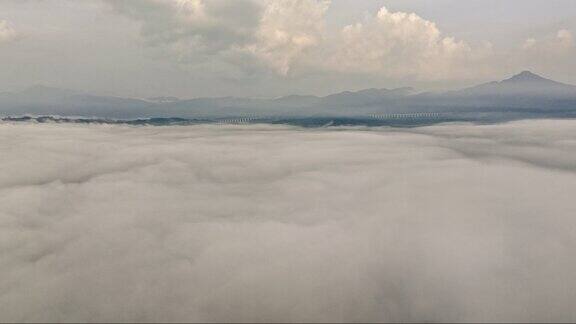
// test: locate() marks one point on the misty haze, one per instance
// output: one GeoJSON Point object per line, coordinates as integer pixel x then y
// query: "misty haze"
{"type": "Point", "coordinates": [287, 161]}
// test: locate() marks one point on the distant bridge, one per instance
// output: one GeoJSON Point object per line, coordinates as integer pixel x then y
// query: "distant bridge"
{"type": "Point", "coordinates": [419, 115]}
{"type": "Point", "coordinates": [238, 120]}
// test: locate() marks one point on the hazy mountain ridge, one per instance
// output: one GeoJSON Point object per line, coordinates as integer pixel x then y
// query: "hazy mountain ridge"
{"type": "Point", "coordinates": [525, 83]}
{"type": "Point", "coordinates": [524, 91]}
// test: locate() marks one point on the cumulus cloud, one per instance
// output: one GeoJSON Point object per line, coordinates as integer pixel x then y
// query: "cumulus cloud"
{"type": "Point", "coordinates": [288, 28]}
{"type": "Point", "coordinates": [272, 223]}
{"type": "Point", "coordinates": [240, 32]}
{"type": "Point", "coordinates": [7, 33]}
{"type": "Point", "coordinates": [284, 33]}
{"type": "Point", "coordinates": [402, 44]}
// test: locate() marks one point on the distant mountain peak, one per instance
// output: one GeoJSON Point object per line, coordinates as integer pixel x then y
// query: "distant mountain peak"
{"type": "Point", "coordinates": [527, 76]}
{"type": "Point", "coordinates": [524, 83]}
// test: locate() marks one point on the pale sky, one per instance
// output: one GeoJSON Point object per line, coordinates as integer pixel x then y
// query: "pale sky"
{"type": "Point", "coordinates": [268, 48]}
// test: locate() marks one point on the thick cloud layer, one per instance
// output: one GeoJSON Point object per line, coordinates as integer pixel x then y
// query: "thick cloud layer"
{"type": "Point", "coordinates": [272, 223]}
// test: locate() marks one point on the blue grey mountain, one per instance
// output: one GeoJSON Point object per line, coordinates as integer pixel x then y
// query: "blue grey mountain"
{"type": "Point", "coordinates": [523, 92]}
{"type": "Point", "coordinates": [525, 84]}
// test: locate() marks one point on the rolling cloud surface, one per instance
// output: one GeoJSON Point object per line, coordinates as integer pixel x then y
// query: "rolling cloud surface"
{"type": "Point", "coordinates": [274, 223]}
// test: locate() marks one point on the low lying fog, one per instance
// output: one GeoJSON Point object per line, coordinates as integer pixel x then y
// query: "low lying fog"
{"type": "Point", "coordinates": [274, 223]}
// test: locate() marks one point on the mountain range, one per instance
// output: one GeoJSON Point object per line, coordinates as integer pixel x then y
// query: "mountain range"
{"type": "Point", "coordinates": [523, 93]}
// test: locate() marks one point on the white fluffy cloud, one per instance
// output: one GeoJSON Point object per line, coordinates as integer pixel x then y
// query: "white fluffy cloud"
{"type": "Point", "coordinates": [281, 33]}
{"type": "Point", "coordinates": [402, 44]}
{"type": "Point", "coordinates": [7, 33]}
{"type": "Point", "coordinates": [287, 29]}
{"type": "Point", "coordinates": [267, 223]}
{"type": "Point", "coordinates": [289, 36]}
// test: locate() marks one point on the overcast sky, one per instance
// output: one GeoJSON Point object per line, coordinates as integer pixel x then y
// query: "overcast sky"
{"type": "Point", "coordinates": [267, 48]}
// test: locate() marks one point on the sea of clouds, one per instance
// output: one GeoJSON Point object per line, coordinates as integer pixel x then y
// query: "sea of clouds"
{"type": "Point", "coordinates": [276, 223]}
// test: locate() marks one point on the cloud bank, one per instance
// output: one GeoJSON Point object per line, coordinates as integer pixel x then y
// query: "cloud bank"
{"type": "Point", "coordinates": [268, 223]}
{"type": "Point", "coordinates": [289, 38]}
{"type": "Point", "coordinates": [284, 33]}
